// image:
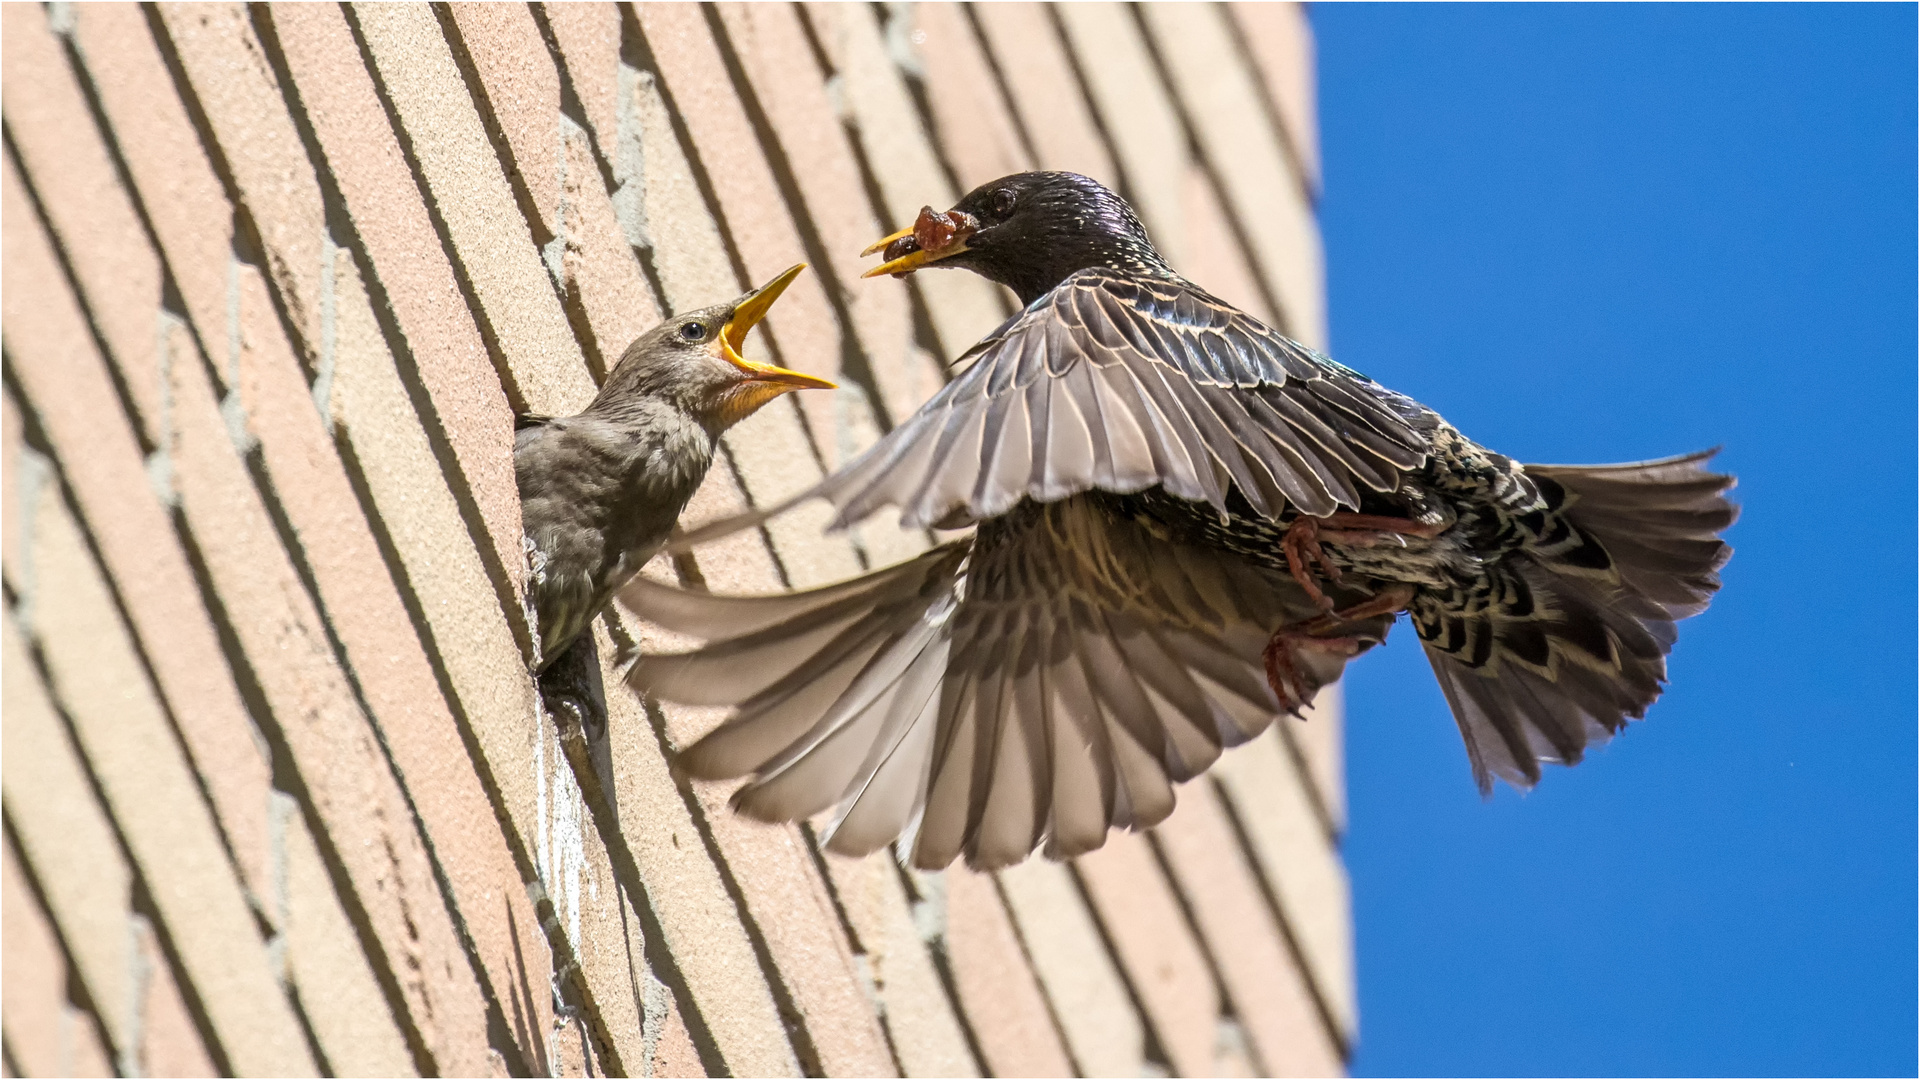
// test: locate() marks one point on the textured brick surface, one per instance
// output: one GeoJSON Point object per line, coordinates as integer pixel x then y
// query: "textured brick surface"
{"type": "Point", "coordinates": [1272, 1001]}
{"type": "Point", "coordinates": [280, 795]}
{"type": "Point", "coordinates": [1103, 1029]}
{"type": "Point", "coordinates": [65, 835]}
{"type": "Point", "coordinates": [1151, 938]}
{"type": "Point", "coordinates": [1270, 801]}
{"type": "Point", "coordinates": [921, 1021]}
{"type": "Point", "coordinates": [192, 673]}
{"type": "Point", "coordinates": [998, 991]}
{"type": "Point", "coordinates": [1280, 41]}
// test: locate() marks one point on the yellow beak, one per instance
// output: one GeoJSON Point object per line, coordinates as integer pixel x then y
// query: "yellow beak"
{"type": "Point", "coordinates": [746, 315]}
{"type": "Point", "coordinates": [958, 225]}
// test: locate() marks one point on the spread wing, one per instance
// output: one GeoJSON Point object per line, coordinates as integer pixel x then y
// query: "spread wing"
{"type": "Point", "coordinates": [1120, 384]}
{"type": "Point", "coordinates": [1036, 684]}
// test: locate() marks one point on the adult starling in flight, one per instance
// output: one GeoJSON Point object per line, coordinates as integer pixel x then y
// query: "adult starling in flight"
{"type": "Point", "coordinates": [600, 491]}
{"type": "Point", "coordinates": [1169, 500]}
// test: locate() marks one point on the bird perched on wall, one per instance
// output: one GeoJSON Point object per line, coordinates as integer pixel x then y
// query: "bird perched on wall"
{"type": "Point", "coordinates": [1184, 524]}
{"type": "Point", "coordinates": [600, 491]}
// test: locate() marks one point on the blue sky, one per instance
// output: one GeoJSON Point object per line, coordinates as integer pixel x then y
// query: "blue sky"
{"type": "Point", "coordinates": [1590, 234]}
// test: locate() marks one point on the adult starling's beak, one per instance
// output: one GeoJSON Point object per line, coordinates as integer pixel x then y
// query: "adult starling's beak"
{"type": "Point", "coordinates": [746, 315]}
{"type": "Point", "coordinates": [931, 237]}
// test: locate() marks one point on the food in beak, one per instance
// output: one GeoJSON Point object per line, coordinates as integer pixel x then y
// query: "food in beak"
{"type": "Point", "coordinates": [934, 236]}
{"type": "Point", "coordinates": [746, 315]}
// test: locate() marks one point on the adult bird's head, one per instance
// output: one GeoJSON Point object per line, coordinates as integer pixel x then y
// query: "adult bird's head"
{"type": "Point", "coordinates": [1027, 231]}
{"type": "Point", "coordinates": [693, 362]}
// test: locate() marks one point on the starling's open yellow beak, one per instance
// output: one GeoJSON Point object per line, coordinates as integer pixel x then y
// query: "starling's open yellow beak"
{"type": "Point", "coordinates": [746, 315]}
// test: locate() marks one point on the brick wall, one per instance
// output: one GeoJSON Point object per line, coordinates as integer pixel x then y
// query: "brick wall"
{"type": "Point", "coordinates": [278, 796]}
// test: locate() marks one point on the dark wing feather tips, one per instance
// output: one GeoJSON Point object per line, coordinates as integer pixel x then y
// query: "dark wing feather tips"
{"type": "Point", "coordinates": [1580, 648]}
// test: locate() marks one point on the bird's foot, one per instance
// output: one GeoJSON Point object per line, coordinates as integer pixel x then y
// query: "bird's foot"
{"type": "Point", "coordinates": [1290, 683]}
{"type": "Point", "coordinates": [1304, 540]}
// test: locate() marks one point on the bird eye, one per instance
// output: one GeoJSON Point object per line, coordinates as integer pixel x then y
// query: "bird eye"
{"type": "Point", "coordinates": [692, 331]}
{"type": "Point", "coordinates": [1003, 200]}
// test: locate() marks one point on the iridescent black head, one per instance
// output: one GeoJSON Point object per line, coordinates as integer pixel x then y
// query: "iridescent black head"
{"type": "Point", "coordinates": [1028, 231]}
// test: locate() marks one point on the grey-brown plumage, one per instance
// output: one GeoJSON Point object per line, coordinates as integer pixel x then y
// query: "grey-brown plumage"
{"type": "Point", "coordinates": [1171, 501]}
{"type": "Point", "coordinates": [600, 491]}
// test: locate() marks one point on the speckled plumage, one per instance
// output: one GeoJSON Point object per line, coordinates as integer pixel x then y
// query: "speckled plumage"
{"type": "Point", "coordinates": [1134, 454]}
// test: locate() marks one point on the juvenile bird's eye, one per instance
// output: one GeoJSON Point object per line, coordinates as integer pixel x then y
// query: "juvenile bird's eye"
{"type": "Point", "coordinates": [1003, 200]}
{"type": "Point", "coordinates": [692, 331]}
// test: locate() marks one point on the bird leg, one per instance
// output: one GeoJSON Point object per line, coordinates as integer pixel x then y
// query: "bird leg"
{"type": "Point", "coordinates": [1303, 540]}
{"type": "Point", "coordinates": [1288, 681]}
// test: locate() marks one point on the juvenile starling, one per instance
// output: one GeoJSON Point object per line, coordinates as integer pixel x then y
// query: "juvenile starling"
{"type": "Point", "coordinates": [600, 491]}
{"type": "Point", "coordinates": [1170, 500]}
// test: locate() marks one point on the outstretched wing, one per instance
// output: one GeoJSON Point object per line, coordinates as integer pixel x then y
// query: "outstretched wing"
{"type": "Point", "coordinates": [1119, 384]}
{"type": "Point", "coordinates": [1038, 683]}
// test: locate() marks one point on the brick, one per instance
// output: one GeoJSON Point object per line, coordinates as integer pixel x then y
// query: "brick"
{"type": "Point", "coordinates": [362, 604]}
{"type": "Point", "coordinates": [768, 450]}
{"type": "Point", "coordinates": [926, 1034]}
{"type": "Point", "coordinates": [1149, 143]}
{"type": "Point", "coordinates": [996, 987]}
{"type": "Point", "coordinates": [12, 442]}
{"type": "Point", "coordinates": [770, 44]}
{"type": "Point", "coordinates": [588, 35]}
{"type": "Point", "coordinates": [169, 1040]}
{"type": "Point", "coordinates": [591, 909]}
{"type": "Point", "coordinates": [43, 105]}
{"type": "Point", "coordinates": [162, 153]}
{"type": "Point", "coordinates": [232, 82]}
{"type": "Point", "coordinates": [1214, 256]}
{"type": "Point", "coordinates": [1150, 937]}
{"type": "Point", "coordinates": [673, 1053]}
{"type": "Point", "coordinates": [339, 995]}
{"type": "Point", "coordinates": [792, 910]}
{"type": "Point", "coordinates": [464, 180]}
{"type": "Point", "coordinates": [1280, 41]}
{"type": "Point", "coordinates": [446, 353]}
{"type": "Point", "coordinates": [598, 263]}
{"type": "Point", "coordinates": [67, 840]}
{"type": "Point", "coordinates": [523, 90]}
{"type": "Point", "coordinates": [687, 894]}
{"type": "Point", "coordinates": [590, 255]}
{"type": "Point", "coordinates": [162, 599]}
{"type": "Point", "coordinates": [339, 551]}
{"type": "Point", "coordinates": [1272, 805]}
{"type": "Point", "coordinates": [1102, 1027]}
{"type": "Point", "coordinates": [468, 628]}
{"type": "Point", "coordinates": [1042, 89]}
{"type": "Point", "coordinates": [359, 599]}
{"type": "Point", "coordinates": [33, 997]}
{"type": "Point", "coordinates": [331, 742]}
{"type": "Point", "coordinates": [1270, 996]}
{"type": "Point", "coordinates": [971, 123]}
{"type": "Point", "coordinates": [1221, 103]}
{"type": "Point", "coordinates": [904, 165]}
{"type": "Point", "coordinates": [150, 792]}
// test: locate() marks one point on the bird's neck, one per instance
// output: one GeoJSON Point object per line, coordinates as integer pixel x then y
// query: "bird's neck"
{"type": "Point", "coordinates": [1126, 257]}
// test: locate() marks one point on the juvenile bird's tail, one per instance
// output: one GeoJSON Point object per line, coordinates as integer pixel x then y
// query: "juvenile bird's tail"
{"type": "Point", "coordinates": [1575, 640]}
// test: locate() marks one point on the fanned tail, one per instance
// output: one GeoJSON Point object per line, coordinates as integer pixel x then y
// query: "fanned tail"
{"type": "Point", "coordinates": [1578, 643]}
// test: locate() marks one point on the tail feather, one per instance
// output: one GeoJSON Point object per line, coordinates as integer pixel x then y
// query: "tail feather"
{"type": "Point", "coordinates": [1586, 651]}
